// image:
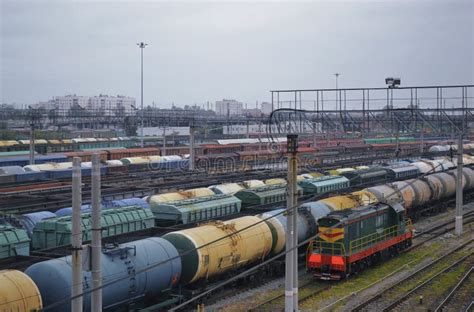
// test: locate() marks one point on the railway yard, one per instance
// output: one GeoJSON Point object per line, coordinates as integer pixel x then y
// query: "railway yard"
{"type": "Point", "coordinates": [229, 156]}
{"type": "Point", "coordinates": [213, 238]}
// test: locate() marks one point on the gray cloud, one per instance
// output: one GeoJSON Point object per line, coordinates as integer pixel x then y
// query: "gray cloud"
{"type": "Point", "coordinates": [201, 51]}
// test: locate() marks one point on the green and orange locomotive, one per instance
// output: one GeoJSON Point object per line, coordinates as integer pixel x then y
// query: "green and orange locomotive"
{"type": "Point", "coordinates": [353, 239]}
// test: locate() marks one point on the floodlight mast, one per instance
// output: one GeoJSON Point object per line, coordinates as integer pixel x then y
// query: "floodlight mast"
{"type": "Point", "coordinates": [142, 46]}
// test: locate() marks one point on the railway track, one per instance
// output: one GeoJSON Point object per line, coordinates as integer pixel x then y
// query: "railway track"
{"type": "Point", "coordinates": [460, 287]}
{"type": "Point", "coordinates": [314, 288]}
{"type": "Point", "coordinates": [346, 159]}
{"type": "Point", "coordinates": [434, 232]}
{"type": "Point", "coordinates": [32, 203]}
{"type": "Point", "coordinates": [379, 301]}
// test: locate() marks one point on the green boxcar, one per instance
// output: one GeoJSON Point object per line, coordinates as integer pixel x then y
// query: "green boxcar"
{"type": "Point", "coordinates": [388, 140]}
{"type": "Point", "coordinates": [55, 232]}
{"type": "Point", "coordinates": [14, 153]}
{"type": "Point", "coordinates": [262, 195]}
{"type": "Point", "coordinates": [369, 176]}
{"type": "Point", "coordinates": [195, 209]}
{"type": "Point", "coordinates": [324, 184]}
{"type": "Point", "coordinates": [13, 242]}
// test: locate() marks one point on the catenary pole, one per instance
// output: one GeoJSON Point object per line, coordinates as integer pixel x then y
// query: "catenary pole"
{"type": "Point", "coordinates": [76, 232]}
{"type": "Point", "coordinates": [459, 194]}
{"type": "Point", "coordinates": [96, 244]}
{"type": "Point", "coordinates": [290, 258]}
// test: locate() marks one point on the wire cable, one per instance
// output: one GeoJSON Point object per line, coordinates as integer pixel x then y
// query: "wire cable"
{"type": "Point", "coordinates": [151, 266]}
{"type": "Point", "coordinates": [154, 265]}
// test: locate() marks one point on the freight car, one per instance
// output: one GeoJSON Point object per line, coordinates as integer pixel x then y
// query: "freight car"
{"type": "Point", "coordinates": [389, 140]}
{"type": "Point", "coordinates": [63, 170]}
{"type": "Point", "coordinates": [25, 160]}
{"type": "Point", "coordinates": [226, 188]}
{"type": "Point", "coordinates": [13, 242]}
{"type": "Point", "coordinates": [324, 184]}
{"type": "Point", "coordinates": [262, 195]}
{"type": "Point", "coordinates": [447, 148]}
{"type": "Point", "coordinates": [421, 192]}
{"type": "Point", "coordinates": [53, 277]}
{"type": "Point", "coordinates": [194, 210]}
{"type": "Point", "coordinates": [202, 260]}
{"type": "Point", "coordinates": [181, 195]}
{"type": "Point", "coordinates": [350, 240]}
{"type": "Point", "coordinates": [113, 154]}
{"type": "Point", "coordinates": [367, 176]}
{"type": "Point", "coordinates": [63, 145]}
{"type": "Point", "coordinates": [54, 232]}
{"type": "Point", "coordinates": [86, 155]}
{"type": "Point", "coordinates": [18, 292]}
{"type": "Point", "coordinates": [307, 217]}
{"type": "Point", "coordinates": [87, 208]}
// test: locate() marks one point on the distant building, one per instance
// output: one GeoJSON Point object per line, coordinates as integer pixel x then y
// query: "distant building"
{"type": "Point", "coordinates": [229, 107]}
{"type": "Point", "coordinates": [252, 112]}
{"type": "Point", "coordinates": [107, 105]}
{"type": "Point", "coordinates": [266, 108]}
{"type": "Point", "coordinates": [242, 129]}
{"type": "Point", "coordinates": [111, 103]}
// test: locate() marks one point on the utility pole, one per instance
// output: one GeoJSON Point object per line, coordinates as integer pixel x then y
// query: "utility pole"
{"type": "Point", "coordinates": [163, 152]}
{"type": "Point", "coordinates": [459, 193]}
{"type": "Point", "coordinates": [76, 239]}
{"type": "Point", "coordinates": [314, 134]}
{"type": "Point", "coordinates": [291, 256]}
{"type": "Point", "coordinates": [32, 135]}
{"type": "Point", "coordinates": [422, 147]}
{"type": "Point", "coordinates": [96, 243]}
{"type": "Point", "coordinates": [142, 46]}
{"type": "Point", "coordinates": [32, 143]}
{"type": "Point", "coordinates": [191, 148]}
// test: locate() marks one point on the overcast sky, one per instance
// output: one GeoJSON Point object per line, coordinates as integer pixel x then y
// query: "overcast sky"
{"type": "Point", "coordinates": [205, 51]}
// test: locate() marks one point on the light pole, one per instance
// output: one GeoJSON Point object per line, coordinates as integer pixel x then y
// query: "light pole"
{"type": "Point", "coordinates": [142, 46]}
{"type": "Point", "coordinates": [337, 76]}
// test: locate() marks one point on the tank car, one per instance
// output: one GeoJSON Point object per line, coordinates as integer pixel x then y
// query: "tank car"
{"type": "Point", "coordinates": [240, 242]}
{"type": "Point", "coordinates": [123, 263]}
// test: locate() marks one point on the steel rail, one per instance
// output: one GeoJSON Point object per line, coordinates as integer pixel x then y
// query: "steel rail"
{"type": "Point", "coordinates": [381, 293]}
{"type": "Point", "coordinates": [429, 280]}
{"type": "Point", "coordinates": [454, 290]}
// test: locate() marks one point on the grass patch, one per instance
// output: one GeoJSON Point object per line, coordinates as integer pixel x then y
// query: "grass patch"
{"type": "Point", "coordinates": [407, 286]}
{"type": "Point", "coordinates": [445, 283]}
{"type": "Point", "coordinates": [341, 289]}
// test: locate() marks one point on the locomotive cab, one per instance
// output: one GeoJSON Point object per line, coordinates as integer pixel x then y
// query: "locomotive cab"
{"type": "Point", "coordinates": [352, 239]}
{"type": "Point", "coordinates": [326, 254]}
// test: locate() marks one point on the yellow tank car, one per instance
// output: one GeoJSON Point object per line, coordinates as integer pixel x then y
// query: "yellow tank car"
{"type": "Point", "coordinates": [233, 250]}
{"type": "Point", "coordinates": [18, 292]}
{"type": "Point", "coordinates": [341, 202]}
